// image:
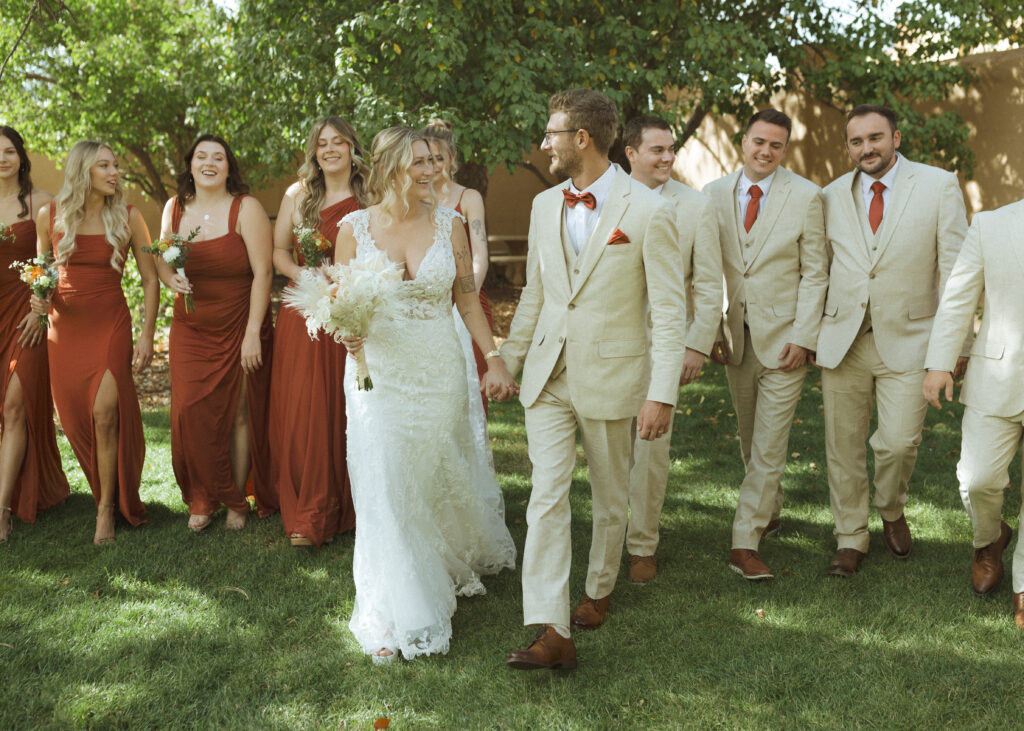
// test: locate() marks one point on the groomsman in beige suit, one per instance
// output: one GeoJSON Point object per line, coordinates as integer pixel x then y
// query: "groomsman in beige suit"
{"type": "Point", "coordinates": [771, 229]}
{"type": "Point", "coordinates": [603, 253]}
{"type": "Point", "coordinates": [650, 149]}
{"type": "Point", "coordinates": [991, 260]}
{"type": "Point", "coordinates": [894, 230]}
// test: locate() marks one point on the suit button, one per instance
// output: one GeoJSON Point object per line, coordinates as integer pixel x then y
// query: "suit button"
{"type": "Point", "coordinates": [572, 307]}
{"type": "Point", "coordinates": [561, 340]}
{"type": "Point", "coordinates": [746, 276]}
{"type": "Point", "coordinates": [575, 271]}
{"type": "Point", "coordinates": [864, 305]}
{"type": "Point", "coordinates": [872, 275]}
{"type": "Point", "coordinates": [747, 244]}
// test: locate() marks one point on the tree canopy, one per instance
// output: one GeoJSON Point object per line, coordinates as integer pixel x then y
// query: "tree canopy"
{"type": "Point", "coordinates": [148, 75]}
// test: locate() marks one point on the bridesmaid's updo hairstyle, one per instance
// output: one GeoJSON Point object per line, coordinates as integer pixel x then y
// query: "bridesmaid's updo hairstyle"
{"type": "Point", "coordinates": [24, 167]}
{"type": "Point", "coordinates": [70, 204]}
{"type": "Point", "coordinates": [390, 156]}
{"type": "Point", "coordinates": [187, 184]}
{"type": "Point", "coordinates": [440, 131]}
{"type": "Point", "coordinates": [311, 177]}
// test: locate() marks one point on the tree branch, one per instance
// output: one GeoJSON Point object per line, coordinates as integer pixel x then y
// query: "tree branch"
{"type": "Point", "coordinates": [17, 41]}
{"type": "Point", "coordinates": [158, 190]}
{"type": "Point", "coordinates": [526, 165]}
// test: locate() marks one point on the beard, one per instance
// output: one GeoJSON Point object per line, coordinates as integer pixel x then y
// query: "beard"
{"type": "Point", "coordinates": [567, 163]}
{"type": "Point", "coordinates": [881, 162]}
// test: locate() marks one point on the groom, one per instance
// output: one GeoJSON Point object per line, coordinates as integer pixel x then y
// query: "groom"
{"type": "Point", "coordinates": [604, 269]}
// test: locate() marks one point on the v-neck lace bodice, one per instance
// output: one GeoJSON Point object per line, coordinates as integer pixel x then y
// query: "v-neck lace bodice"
{"type": "Point", "coordinates": [429, 294]}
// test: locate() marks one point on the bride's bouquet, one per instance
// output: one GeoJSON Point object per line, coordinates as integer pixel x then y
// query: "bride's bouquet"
{"type": "Point", "coordinates": [340, 299]}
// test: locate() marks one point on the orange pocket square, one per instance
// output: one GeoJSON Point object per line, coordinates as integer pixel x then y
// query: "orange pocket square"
{"type": "Point", "coordinates": [617, 237]}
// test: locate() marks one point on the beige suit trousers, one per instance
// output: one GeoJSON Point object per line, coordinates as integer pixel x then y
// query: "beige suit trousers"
{"type": "Point", "coordinates": [850, 392]}
{"type": "Point", "coordinates": [648, 479]}
{"type": "Point", "coordinates": [765, 400]}
{"type": "Point", "coordinates": [988, 445]}
{"type": "Point", "coordinates": [551, 424]}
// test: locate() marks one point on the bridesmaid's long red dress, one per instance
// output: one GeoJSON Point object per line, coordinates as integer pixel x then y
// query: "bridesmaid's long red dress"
{"type": "Point", "coordinates": [91, 334]}
{"type": "Point", "coordinates": [206, 376]}
{"type": "Point", "coordinates": [307, 419]}
{"type": "Point", "coordinates": [41, 482]}
{"type": "Point", "coordinates": [481, 361]}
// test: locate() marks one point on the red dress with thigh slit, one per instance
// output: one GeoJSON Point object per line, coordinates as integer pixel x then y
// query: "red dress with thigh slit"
{"type": "Point", "coordinates": [91, 334]}
{"type": "Point", "coordinates": [41, 482]}
{"type": "Point", "coordinates": [307, 419]}
{"type": "Point", "coordinates": [207, 378]}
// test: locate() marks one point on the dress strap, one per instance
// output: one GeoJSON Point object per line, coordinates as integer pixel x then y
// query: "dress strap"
{"type": "Point", "coordinates": [176, 213]}
{"type": "Point", "coordinates": [458, 205]}
{"type": "Point", "coordinates": [53, 212]}
{"type": "Point", "coordinates": [31, 208]}
{"type": "Point", "coordinates": [236, 205]}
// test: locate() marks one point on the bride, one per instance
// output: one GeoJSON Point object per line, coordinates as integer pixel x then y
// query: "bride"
{"type": "Point", "coordinates": [430, 515]}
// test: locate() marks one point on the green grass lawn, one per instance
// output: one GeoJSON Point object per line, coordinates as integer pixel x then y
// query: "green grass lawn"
{"type": "Point", "coordinates": [170, 629]}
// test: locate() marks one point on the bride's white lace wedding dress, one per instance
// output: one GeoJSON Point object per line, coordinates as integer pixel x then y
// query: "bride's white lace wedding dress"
{"type": "Point", "coordinates": [430, 515]}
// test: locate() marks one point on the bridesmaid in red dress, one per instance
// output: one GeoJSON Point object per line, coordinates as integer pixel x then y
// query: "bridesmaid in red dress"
{"type": "Point", "coordinates": [220, 354]}
{"type": "Point", "coordinates": [307, 402]}
{"type": "Point", "coordinates": [470, 204]}
{"type": "Point", "coordinates": [89, 229]}
{"type": "Point", "coordinates": [31, 477]}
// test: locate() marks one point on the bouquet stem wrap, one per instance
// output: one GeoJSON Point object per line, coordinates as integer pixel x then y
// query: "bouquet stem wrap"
{"type": "Point", "coordinates": [190, 304]}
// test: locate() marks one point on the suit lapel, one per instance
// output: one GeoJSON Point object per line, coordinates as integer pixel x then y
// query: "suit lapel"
{"type": "Point", "coordinates": [778, 194]}
{"type": "Point", "coordinates": [1015, 241]}
{"type": "Point", "coordinates": [853, 215]}
{"type": "Point", "coordinates": [550, 211]}
{"type": "Point", "coordinates": [611, 213]}
{"type": "Point", "coordinates": [726, 202]}
{"type": "Point", "coordinates": [903, 188]}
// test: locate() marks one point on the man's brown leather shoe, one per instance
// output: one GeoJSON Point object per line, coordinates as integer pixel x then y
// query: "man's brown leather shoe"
{"type": "Point", "coordinates": [772, 528]}
{"type": "Point", "coordinates": [642, 569]}
{"type": "Point", "coordinates": [548, 651]}
{"type": "Point", "coordinates": [590, 612]}
{"type": "Point", "coordinates": [1018, 610]}
{"type": "Point", "coordinates": [987, 567]}
{"type": "Point", "coordinates": [845, 562]}
{"type": "Point", "coordinates": [749, 565]}
{"type": "Point", "coordinates": [897, 536]}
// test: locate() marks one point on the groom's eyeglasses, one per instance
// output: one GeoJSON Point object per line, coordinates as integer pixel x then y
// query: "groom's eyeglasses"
{"type": "Point", "coordinates": [548, 133]}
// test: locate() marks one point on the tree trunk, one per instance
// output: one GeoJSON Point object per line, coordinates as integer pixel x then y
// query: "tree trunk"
{"type": "Point", "coordinates": [473, 175]}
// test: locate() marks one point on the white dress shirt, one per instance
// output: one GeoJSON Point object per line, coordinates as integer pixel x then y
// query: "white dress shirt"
{"type": "Point", "coordinates": [866, 181]}
{"type": "Point", "coordinates": [743, 192]}
{"type": "Point", "coordinates": [580, 221]}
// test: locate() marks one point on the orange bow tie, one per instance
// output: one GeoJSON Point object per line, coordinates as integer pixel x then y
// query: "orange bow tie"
{"type": "Point", "coordinates": [586, 199]}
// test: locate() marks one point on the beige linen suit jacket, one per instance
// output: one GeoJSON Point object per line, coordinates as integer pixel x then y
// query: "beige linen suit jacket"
{"type": "Point", "coordinates": [992, 258]}
{"type": "Point", "coordinates": [697, 226]}
{"type": "Point", "coordinates": [902, 277]}
{"type": "Point", "coordinates": [600, 321]}
{"type": "Point", "coordinates": [780, 286]}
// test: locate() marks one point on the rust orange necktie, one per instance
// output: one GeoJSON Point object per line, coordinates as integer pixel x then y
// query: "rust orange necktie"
{"type": "Point", "coordinates": [877, 206]}
{"type": "Point", "coordinates": [752, 207]}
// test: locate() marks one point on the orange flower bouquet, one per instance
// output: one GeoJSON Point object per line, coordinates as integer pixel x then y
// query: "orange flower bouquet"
{"type": "Point", "coordinates": [41, 275]}
{"type": "Point", "coordinates": [174, 250]}
{"type": "Point", "coordinates": [313, 245]}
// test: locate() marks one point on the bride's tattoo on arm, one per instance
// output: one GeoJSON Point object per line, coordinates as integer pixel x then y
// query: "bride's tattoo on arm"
{"type": "Point", "coordinates": [467, 284]}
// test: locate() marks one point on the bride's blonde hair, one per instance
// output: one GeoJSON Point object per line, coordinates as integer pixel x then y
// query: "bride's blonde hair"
{"type": "Point", "coordinates": [70, 205]}
{"type": "Point", "coordinates": [390, 157]}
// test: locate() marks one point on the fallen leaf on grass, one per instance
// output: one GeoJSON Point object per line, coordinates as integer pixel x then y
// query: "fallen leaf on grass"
{"type": "Point", "coordinates": [760, 613]}
{"type": "Point", "coordinates": [381, 723]}
{"type": "Point", "coordinates": [64, 581]}
{"type": "Point", "coordinates": [235, 588]}
{"type": "Point", "coordinates": [96, 594]}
